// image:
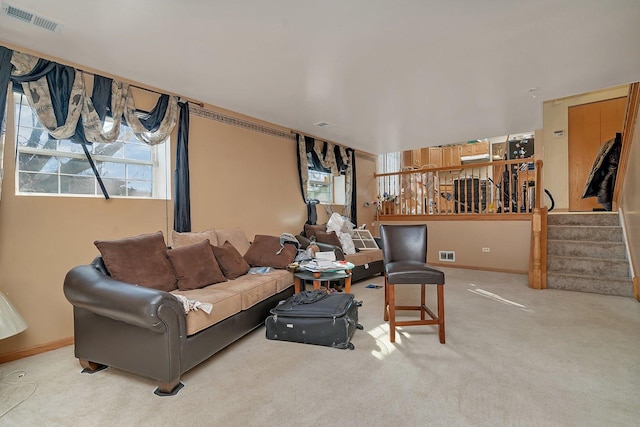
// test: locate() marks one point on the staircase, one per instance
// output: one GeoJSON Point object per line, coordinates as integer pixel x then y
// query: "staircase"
{"type": "Point", "coordinates": [586, 253]}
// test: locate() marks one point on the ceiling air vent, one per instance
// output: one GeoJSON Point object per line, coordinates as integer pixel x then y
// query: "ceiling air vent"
{"type": "Point", "coordinates": [322, 124]}
{"type": "Point", "coordinates": [31, 18]}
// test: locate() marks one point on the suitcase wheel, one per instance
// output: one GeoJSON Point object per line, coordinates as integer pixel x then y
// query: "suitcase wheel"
{"type": "Point", "coordinates": [359, 326]}
{"type": "Point", "coordinates": [351, 346]}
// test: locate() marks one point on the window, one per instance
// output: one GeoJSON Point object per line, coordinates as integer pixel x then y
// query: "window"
{"type": "Point", "coordinates": [388, 163]}
{"type": "Point", "coordinates": [128, 167]}
{"type": "Point", "coordinates": [363, 240]}
{"type": "Point", "coordinates": [326, 188]}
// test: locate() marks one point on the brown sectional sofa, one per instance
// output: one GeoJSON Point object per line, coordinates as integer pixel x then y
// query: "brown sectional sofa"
{"type": "Point", "coordinates": [146, 331]}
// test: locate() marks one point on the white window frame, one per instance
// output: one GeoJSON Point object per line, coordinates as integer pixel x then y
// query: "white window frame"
{"type": "Point", "coordinates": [159, 162]}
{"type": "Point", "coordinates": [335, 185]}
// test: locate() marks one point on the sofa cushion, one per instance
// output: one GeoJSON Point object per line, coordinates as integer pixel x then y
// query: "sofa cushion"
{"type": "Point", "coordinates": [236, 237]}
{"type": "Point", "coordinates": [140, 260]}
{"type": "Point", "coordinates": [311, 230]}
{"type": "Point", "coordinates": [252, 287]}
{"type": "Point", "coordinates": [364, 257]}
{"type": "Point", "coordinates": [329, 238]}
{"type": "Point", "coordinates": [195, 266]}
{"type": "Point", "coordinates": [190, 238]}
{"type": "Point", "coordinates": [231, 263]}
{"type": "Point", "coordinates": [264, 252]}
{"type": "Point", "coordinates": [225, 304]}
{"type": "Point", "coordinates": [283, 278]}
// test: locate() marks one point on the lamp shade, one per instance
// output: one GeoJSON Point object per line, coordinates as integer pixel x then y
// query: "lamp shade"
{"type": "Point", "coordinates": [11, 323]}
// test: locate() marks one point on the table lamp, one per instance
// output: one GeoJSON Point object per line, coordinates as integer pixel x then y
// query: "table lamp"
{"type": "Point", "coordinates": [11, 322]}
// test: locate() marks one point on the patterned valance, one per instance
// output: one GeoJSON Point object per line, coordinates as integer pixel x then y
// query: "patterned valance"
{"type": "Point", "coordinates": [57, 95]}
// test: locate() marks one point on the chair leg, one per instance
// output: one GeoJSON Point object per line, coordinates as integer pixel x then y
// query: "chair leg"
{"type": "Point", "coordinates": [441, 313]}
{"type": "Point", "coordinates": [423, 301]}
{"type": "Point", "coordinates": [392, 313]}
{"type": "Point", "coordinates": [386, 300]}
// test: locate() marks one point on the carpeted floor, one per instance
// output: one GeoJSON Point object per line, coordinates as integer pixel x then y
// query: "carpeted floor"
{"type": "Point", "coordinates": [514, 356]}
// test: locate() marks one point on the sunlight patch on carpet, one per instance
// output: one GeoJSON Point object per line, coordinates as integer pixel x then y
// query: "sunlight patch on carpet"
{"type": "Point", "coordinates": [498, 298]}
{"type": "Point", "coordinates": [381, 335]}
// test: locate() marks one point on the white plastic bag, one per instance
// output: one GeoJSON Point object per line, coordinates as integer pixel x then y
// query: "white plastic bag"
{"type": "Point", "coordinates": [342, 227]}
{"type": "Point", "coordinates": [339, 224]}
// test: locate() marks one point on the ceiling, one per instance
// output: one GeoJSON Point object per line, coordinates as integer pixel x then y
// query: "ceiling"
{"type": "Point", "coordinates": [387, 75]}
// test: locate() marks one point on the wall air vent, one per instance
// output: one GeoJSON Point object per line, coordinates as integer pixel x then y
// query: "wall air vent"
{"type": "Point", "coordinates": [448, 256]}
{"type": "Point", "coordinates": [30, 18]}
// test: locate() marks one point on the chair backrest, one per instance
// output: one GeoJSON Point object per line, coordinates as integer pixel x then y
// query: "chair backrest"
{"type": "Point", "coordinates": [404, 242]}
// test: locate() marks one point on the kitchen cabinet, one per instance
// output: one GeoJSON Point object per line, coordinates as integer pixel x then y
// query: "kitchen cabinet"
{"type": "Point", "coordinates": [474, 149]}
{"type": "Point", "coordinates": [451, 156]}
{"type": "Point", "coordinates": [412, 158]}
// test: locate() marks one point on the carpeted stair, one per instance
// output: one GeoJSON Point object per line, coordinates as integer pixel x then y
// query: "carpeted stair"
{"type": "Point", "coordinates": [586, 253]}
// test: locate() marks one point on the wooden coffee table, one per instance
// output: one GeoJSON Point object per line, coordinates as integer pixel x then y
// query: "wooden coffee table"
{"type": "Point", "coordinates": [323, 276]}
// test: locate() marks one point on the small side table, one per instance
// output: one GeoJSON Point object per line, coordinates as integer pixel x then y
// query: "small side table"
{"type": "Point", "coordinates": [323, 276]}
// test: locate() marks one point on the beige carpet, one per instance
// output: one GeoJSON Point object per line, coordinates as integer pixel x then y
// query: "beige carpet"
{"type": "Point", "coordinates": [514, 356]}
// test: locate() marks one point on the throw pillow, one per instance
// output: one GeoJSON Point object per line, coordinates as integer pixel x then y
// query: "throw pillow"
{"type": "Point", "coordinates": [191, 238]}
{"type": "Point", "coordinates": [195, 266]}
{"type": "Point", "coordinates": [263, 252]}
{"type": "Point", "coordinates": [329, 238]}
{"type": "Point", "coordinates": [230, 261]}
{"type": "Point", "coordinates": [236, 237]}
{"type": "Point", "coordinates": [310, 230]}
{"type": "Point", "coordinates": [139, 260]}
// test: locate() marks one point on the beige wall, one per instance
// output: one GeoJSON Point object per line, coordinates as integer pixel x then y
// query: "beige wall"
{"type": "Point", "coordinates": [555, 150]}
{"type": "Point", "coordinates": [630, 200]}
{"type": "Point", "coordinates": [243, 178]}
{"type": "Point", "coordinates": [508, 242]}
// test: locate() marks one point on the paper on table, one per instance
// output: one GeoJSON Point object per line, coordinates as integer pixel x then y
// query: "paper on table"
{"type": "Point", "coordinates": [319, 265]}
{"type": "Point", "coordinates": [329, 255]}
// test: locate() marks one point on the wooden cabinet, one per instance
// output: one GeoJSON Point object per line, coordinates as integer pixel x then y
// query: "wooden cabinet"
{"type": "Point", "coordinates": [412, 158]}
{"type": "Point", "coordinates": [474, 149]}
{"type": "Point", "coordinates": [447, 156]}
{"type": "Point", "coordinates": [435, 157]}
{"type": "Point", "coordinates": [425, 155]}
{"type": "Point", "coordinates": [451, 156]}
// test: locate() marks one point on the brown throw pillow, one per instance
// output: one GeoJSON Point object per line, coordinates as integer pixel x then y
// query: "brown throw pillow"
{"type": "Point", "coordinates": [236, 237]}
{"type": "Point", "coordinates": [230, 261]}
{"type": "Point", "coordinates": [191, 238]}
{"type": "Point", "coordinates": [263, 252]}
{"type": "Point", "coordinates": [311, 230]}
{"type": "Point", "coordinates": [195, 266]}
{"type": "Point", "coordinates": [139, 260]}
{"type": "Point", "coordinates": [330, 238]}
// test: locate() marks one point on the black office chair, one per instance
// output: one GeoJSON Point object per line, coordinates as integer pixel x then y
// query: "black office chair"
{"type": "Point", "coordinates": [405, 253]}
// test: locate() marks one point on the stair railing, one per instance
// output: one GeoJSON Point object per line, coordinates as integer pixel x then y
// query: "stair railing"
{"type": "Point", "coordinates": [628, 127]}
{"type": "Point", "coordinates": [491, 189]}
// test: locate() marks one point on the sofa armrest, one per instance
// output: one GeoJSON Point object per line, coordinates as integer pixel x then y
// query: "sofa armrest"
{"type": "Point", "coordinates": [324, 247]}
{"type": "Point", "coordinates": [86, 287]}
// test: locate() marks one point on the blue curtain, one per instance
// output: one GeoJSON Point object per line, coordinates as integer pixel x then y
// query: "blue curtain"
{"type": "Point", "coordinates": [182, 203]}
{"type": "Point", "coordinates": [354, 197]}
{"type": "Point", "coordinates": [5, 76]}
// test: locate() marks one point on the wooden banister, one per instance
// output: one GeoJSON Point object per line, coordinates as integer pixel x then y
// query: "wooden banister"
{"type": "Point", "coordinates": [538, 199]}
{"type": "Point", "coordinates": [630, 116]}
{"type": "Point", "coordinates": [538, 251]}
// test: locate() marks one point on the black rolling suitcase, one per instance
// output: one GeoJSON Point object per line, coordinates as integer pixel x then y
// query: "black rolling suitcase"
{"type": "Point", "coordinates": [315, 317]}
